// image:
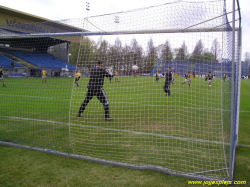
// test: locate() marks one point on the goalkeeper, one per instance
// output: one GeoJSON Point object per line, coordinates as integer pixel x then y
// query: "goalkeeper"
{"type": "Point", "coordinates": [95, 88]}
{"type": "Point", "coordinates": [168, 81]}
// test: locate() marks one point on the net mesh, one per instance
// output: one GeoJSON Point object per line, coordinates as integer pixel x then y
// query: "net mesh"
{"type": "Point", "coordinates": [186, 133]}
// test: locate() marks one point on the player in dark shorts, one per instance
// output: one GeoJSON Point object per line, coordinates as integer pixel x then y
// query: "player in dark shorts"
{"type": "Point", "coordinates": [1, 76]}
{"type": "Point", "coordinates": [168, 81]}
{"type": "Point", "coordinates": [77, 77]}
{"type": "Point", "coordinates": [210, 77]}
{"type": "Point", "coordinates": [187, 79]}
{"type": "Point", "coordinates": [157, 76]}
{"type": "Point", "coordinates": [95, 88]}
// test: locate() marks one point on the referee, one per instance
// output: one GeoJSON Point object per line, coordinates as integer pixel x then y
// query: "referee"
{"type": "Point", "coordinates": [95, 88]}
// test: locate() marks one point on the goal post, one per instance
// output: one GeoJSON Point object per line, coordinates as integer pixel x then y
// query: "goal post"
{"type": "Point", "coordinates": [185, 127]}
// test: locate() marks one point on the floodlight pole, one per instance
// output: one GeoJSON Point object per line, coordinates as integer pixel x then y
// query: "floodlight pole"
{"type": "Point", "coordinates": [116, 19]}
{"type": "Point", "coordinates": [87, 6]}
{"type": "Point", "coordinates": [116, 22]}
{"type": "Point", "coordinates": [88, 9]}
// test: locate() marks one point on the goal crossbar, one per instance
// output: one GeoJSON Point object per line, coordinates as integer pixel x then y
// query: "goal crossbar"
{"type": "Point", "coordinates": [163, 31]}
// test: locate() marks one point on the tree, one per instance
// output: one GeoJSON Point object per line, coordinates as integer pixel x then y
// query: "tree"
{"type": "Point", "coordinates": [115, 55]}
{"type": "Point", "coordinates": [151, 56]}
{"type": "Point", "coordinates": [166, 52]}
{"type": "Point", "coordinates": [215, 50]}
{"type": "Point", "coordinates": [137, 53]}
{"type": "Point", "coordinates": [247, 57]}
{"type": "Point", "coordinates": [126, 63]}
{"type": "Point", "coordinates": [208, 57]}
{"type": "Point", "coordinates": [102, 51]}
{"type": "Point", "coordinates": [86, 55]}
{"type": "Point", "coordinates": [198, 51]}
{"type": "Point", "coordinates": [246, 64]}
{"type": "Point", "coordinates": [181, 53]}
{"type": "Point", "coordinates": [74, 49]}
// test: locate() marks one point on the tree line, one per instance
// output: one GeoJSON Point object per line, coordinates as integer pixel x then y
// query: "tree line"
{"type": "Point", "coordinates": [122, 58]}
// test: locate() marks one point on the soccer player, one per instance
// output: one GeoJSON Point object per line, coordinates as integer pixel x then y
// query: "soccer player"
{"type": "Point", "coordinates": [210, 77]}
{"type": "Point", "coordinates": [116, 76]}
{"type": "Point", "coordinates": [1, 76]}
{"type": "Point", "coordinates": [173, 74]}
{"type": "Point", "coordinates": [95, 88]}
{"type": "Point", "coordinates": [77, 77]}
{"type": "Point", "coordinates": [111, 72]}
{"type": "Point", "coordinates": [224, 77]}
{"type": "Point", "coordinates": [187, 79]}
{"type": "Point", "coordinates": [157, 76]}
{"type": "Point", "coordinates": [168, 81]}
{"type": "Point", "coordinates": [44, 75]}
{"type": "Point", "coordinates": [206, 77]}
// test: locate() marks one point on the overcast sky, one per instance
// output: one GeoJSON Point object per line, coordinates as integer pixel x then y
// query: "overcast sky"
{"type": "Point", "coordinates": [68, 9]}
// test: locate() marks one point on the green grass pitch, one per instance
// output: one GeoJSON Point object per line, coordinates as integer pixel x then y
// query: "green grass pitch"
{"type": "Point", "coordinates": [21, 167]}
{"type": "Point", "coordinates": [149, 128]}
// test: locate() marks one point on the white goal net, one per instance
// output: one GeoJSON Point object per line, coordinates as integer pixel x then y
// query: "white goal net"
{"type": "Point", "coordinates": [172, 113]}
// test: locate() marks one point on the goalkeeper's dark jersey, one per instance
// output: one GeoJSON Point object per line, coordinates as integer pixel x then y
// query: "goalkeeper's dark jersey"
{"type": "Point", "coordinates": [169, 77]}
{"type": "Point", "coordinates": [97, 75]}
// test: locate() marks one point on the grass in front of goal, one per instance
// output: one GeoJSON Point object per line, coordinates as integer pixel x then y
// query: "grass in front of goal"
{"type": "Point", "coordinates": [20, 167]}
{"type": "Point", "coordinates": [184, 128]}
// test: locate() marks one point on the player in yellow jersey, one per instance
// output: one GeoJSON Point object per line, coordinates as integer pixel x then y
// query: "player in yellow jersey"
{"type": "Point", "coordinates": [224, 77]}
{"type": "Point", "coordinates": [116, 76]}
{"type": "Point", "coordinates": [44, 75]}
{"type": "Point", "coordinates": [1, 76]}
{"type": "Point", "coordinates": [77, 77]}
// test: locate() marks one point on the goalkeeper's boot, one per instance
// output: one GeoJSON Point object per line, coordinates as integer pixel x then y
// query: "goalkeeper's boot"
{"type": "Point", "coordinates": [78, 115]}
{"type": "Point", "coordinates": [109, 119]}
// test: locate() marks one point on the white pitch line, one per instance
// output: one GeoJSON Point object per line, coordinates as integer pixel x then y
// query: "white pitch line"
{"type": "Point", "coordinates": [131, 103]}
{"type": "Point", "coordinates": [118, 130]}
{"type": "Point", "coordinates": [32, 96]}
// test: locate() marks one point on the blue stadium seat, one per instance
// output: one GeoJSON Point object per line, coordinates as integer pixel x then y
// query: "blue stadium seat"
{"type": "Point", "coordinates": [7, 63]}
{"type": "Point", "coordinates": [39, 59]}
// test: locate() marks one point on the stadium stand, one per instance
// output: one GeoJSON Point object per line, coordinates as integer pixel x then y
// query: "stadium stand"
{"type": "Point", "coordinates": [7, 63]}
{"type": "Point", "coordinates": [39, 59]}
{"type": "Point", "coordinates": [197, 67]}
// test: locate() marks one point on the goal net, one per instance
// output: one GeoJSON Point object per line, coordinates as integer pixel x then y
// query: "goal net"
{"type": "Point", "coordinates": [185, 126]}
